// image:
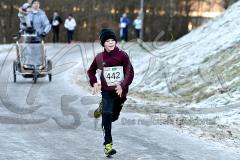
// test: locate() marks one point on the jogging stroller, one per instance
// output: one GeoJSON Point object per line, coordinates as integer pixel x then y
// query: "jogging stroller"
{"type": "Point", "coordinates": [31, 61]}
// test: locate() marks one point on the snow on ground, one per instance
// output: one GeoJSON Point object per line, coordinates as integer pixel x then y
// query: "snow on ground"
{"type": "Point", "coordinates": [192, 82]}
{"type": "Point", "coordinates": [52, 120]}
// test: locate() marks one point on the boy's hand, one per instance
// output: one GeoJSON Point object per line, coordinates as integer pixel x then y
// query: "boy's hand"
{"type": "Point", "coordinates": [96, 88]}
{"type": "Point", "coordinates": [119, 90]}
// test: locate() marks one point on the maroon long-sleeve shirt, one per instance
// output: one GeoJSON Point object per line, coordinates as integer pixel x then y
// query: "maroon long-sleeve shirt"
{"type": "Point", "coordinates": [116, 57]}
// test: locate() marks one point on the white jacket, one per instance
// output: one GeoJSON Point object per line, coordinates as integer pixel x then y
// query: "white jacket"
{"type": "Point", "coordinates": [70, 24]}
{"type": "Point", "coordinates": [137, 23]}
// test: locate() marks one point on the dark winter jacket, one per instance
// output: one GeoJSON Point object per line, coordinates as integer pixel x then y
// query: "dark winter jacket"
{"type": "Point", "coordinates": [116, 57]}
{"type": "Point", "coordinates": [56, 22]}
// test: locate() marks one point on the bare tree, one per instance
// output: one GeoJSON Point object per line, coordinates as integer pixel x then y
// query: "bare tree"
{"type": "Point", "coordinates": [170, 16]}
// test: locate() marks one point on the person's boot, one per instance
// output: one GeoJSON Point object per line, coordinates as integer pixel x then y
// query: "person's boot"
{"type": "Point", "coordinates": [109, 151]}
{"type": "Point", "coordinates": [98, 111]}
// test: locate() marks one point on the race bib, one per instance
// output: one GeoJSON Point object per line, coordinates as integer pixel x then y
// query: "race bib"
{"type": "Point", "coordinates": [55, 23]}
{"type": "Point", "coordinates": [123, 25]}
{"type": "Point", "coordinates": [113, 75]}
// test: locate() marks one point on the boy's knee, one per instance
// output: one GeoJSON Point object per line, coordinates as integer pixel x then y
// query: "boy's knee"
{"type": "Point", "coordinates": [116, 111]}
{"type": "Point", "coordinates": [107, 116]}
{"type": "Point", "coordinates": [115, 117]}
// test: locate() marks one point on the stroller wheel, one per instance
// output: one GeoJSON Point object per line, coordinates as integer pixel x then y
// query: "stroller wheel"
{"type": "Point", "coordinates": [49, 65]}
{"type": "Point", "coordinates": [34, 79]}
{"type": "Point", "coordinates": [50, 77]}
{"type": "Point", "coordinates": [14, 71]}
{"type": "Point", "coordinates": [35, 76]}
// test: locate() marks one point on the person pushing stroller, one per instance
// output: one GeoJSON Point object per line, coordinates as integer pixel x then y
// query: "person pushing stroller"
{"type": "Point", "coordinates": [34, 20]}
{"type": "Point", "coordinates": [40, 27]}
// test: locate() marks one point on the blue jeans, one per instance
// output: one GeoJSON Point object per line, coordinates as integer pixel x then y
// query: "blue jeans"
{"type": "Point", "coordinates": [112, 106]}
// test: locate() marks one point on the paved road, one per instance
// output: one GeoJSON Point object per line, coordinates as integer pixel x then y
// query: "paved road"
{"type": "Point", "coordinates": [48, 121]}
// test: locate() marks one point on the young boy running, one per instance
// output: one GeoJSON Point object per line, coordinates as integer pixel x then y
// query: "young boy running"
{"type": "Point", "coordinates": [116, 76]}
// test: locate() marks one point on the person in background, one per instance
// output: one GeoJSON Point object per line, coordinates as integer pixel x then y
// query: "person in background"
{"type": "Point", "coordinates": [137, 23]}
{"type": "Point", "coordinates": [24, 16]}
{"type": "Point", "coordinates": [70, 25]}
{"type": "Point", "coordinates": [124, 23]}
{"type": "Point", "coordinates": [39, 20]}
{"type": "Point", "coordinates": [56, 22]}
{"type": "Point", "coordinates": [41, 26]}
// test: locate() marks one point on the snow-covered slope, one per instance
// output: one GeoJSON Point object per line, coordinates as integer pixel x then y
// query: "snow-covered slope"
{"type": "Point", "coordinates": [195, 62]}
{"type": "Point", "coordinates": [196, 76]}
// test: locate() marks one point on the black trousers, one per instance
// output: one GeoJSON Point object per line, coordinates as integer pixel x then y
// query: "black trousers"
{"type": "Point", "coordinates": [55, 31]}
{"type": "Point", "coordinates": [124, 34]}
{"type": "Point", "coordinates": [137, 33]}
{"type": "Point", "coordinates": [112, 106]}
{"type": "Point", "coordinates": [69, 36]}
